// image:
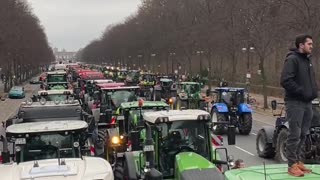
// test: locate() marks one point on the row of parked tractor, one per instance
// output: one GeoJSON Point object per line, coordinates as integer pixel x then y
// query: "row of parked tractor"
{"type": "Point", "coordinates": [110, 123]}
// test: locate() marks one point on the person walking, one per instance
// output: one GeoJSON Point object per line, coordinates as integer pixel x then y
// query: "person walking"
{"type": "Point", "coordinates": [298, 80]}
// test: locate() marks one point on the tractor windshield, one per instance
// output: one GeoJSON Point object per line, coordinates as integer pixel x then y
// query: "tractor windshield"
{"type": "Point", "coordinates": [181, 136]}
{"type": "Point", "coordinates": [148, 78]}
{"type": "Point", "coordinates": [48, 146]}
{"type": "Point", "coordinates": [191, 88]}
{"type": "Point", "coordinates": [119, 97]}
{"type": "Point", "coordinates": [232, 98]}
{"type": "Point", "coordinates": [56, 78]}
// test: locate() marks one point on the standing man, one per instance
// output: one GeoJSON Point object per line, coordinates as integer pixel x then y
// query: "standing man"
{"type": "Point", "coordinates": [298, 80]}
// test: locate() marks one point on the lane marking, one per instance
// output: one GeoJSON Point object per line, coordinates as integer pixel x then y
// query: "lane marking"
{"type": "Point", "coordinates": [244, 150]}
{"type": "Point", "coordinates": [254, 134]}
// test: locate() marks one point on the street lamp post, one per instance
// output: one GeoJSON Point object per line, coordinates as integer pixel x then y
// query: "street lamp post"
{"type": "Point", "coordinates": [200, 53]}
{"type": "Point", "coordinates": [248, 50]}
{"type": "Point", "coordinates": [153, 62]}
{"type": "Point", "coordinates": [139, 59]}
{"type": "Point", "coordinates": [172, 62]}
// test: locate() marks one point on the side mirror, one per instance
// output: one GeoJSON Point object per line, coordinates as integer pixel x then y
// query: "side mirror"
{"type": "Point", "coordinates": [231, 135]}
{"type": "Point", "coordinates": [274, 104]}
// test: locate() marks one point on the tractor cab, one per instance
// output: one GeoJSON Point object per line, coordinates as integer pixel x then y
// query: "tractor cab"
{"type": "Point", "coordinates": [51, 150]}
{"type": "Point", "coordinates": [165, 89]}
{"type": "Point", "coordinates": [176, 145]}
{"type": "Point", "coordinates": [130, 118]}
{"type": "Point", "coordinates": [122, 75]}
{"type": "Point", "coordinates": [132, 78]}
{"type": "Point", "coordinates": [56, 80]}
{"type": "Point", "coordinates": [189, 96]}
{"type": "Point", "coordinates": [108, 100]}
{"type": "Point", "coordinates": [54, 95]}
{"type": "Point", "coordinates": [147, 79]}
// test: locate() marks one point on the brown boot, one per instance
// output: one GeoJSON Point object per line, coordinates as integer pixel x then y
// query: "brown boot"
{"type": "Point", "coordinates": [303, 168]}
{"type": "Point", "coordinates": [295, 171]}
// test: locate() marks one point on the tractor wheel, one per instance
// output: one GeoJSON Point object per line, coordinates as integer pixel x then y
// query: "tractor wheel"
{"type": "Point", "coordinates": [100, 143]}
{"type": "Point", "coordinates": [281, 155]}
{"type": "Point", "coordinates": [202, 105]}
{"type": "Point", "coordinates": [245, 124]}
{"type": "Point", "coordinates": [264, 149]}
{"type": "Point", "coordinates": [218, 117]}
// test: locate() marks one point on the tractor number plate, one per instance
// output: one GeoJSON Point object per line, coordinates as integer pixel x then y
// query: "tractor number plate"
{"type": "Point", "coordinates": [20, 141]}
{"type": "Point", "coordinates": [148, 148]}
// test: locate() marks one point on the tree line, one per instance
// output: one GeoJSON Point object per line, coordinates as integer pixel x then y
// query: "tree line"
{"type": "Point", "coordinates": [228, 39]}
{"type": "Point", "coordinates": [23, 43]}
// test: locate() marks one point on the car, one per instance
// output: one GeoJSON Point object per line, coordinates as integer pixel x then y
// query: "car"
{"type": "Point", "coordinates": [16, 92]}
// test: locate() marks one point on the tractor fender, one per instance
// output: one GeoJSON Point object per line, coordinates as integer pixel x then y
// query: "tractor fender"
{"type": "Point", "coordinates": [269, 132]}
{"type": "Point", "coordinates": [130, 160]}
{"type": "Point", "coordinates": [221, 107]}
{"type": "Point", "coordinates": [244, 108]}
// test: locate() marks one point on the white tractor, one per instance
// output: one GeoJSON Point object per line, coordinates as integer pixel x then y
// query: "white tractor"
{"type": "Point", "coordinates": [51, 150]}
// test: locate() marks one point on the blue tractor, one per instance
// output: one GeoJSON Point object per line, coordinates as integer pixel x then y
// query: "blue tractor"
{"type": "Point", "coordinates": [229, 107]}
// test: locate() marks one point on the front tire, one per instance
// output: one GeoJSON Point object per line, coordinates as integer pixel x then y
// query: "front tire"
{"type": "Point", "coordinates": [281, 155]}
{"type": "Point", "coordinates": [264, 149]}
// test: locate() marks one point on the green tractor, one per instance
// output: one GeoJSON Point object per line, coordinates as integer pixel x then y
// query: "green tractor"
{"type": "Point", "coordinates": [189, 96]}
{"type": "Point", "coordinates": [128, 118]}
{"type": "Point", "coordinates": [175, 144]}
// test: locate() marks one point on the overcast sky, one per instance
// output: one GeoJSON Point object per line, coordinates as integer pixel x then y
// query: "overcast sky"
{"type": "Point", "coordinates": [72, 24]}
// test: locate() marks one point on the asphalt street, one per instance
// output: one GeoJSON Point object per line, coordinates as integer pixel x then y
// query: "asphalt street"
{"type": "Point", "coordinates": [245, 147]}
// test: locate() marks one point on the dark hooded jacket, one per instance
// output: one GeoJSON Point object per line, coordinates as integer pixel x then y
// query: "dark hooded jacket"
{"type": "Point", "coordinates": [298, 77]}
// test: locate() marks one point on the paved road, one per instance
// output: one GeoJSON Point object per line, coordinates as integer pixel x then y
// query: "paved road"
{"type": "Point", "coordinates": [10, 106]}
{"type": "Point", "coordinates": [245, 147]}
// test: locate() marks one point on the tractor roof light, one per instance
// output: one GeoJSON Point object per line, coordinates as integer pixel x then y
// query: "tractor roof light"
{"type": "Point", "coordinates": [115, 140]}
{"type": "Point", "coordinates": [43, 101]}
{"type": "Point", "coordinates": [204, 117]}
{"type": "Point", "coordinates": [162, 120]}
{"type": "Point", "coordinates": [57, 101]}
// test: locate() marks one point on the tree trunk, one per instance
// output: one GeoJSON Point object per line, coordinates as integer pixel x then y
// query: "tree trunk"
{"type": "Point", "coordinates": [264, 83]}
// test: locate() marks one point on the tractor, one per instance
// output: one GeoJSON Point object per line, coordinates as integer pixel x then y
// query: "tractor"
{"type": "Point", "coordinates": [165, 89]}
{"type": "Point", "coordinates": [121, 75]}
{"type": "Point", "coordinates": [50, 150]}
{"type": "Point", "coordinates": [56, 80]}
{"type": "Point", "coordinates": [147, 82]}
{"type": "Point", "coordinates": [229, 106]}
{"type": "Point", "coordinates": [132, 78]}
{"type": "Point", "coordinates": [271, 140]}
{"type": "Point", "coordinates": [106, 103]}
{"type": "Point", "coordinates": [189, 96]}
{"type": "Point", "coordinates": [128, 118]}
{"type": "Point", "coordinates": [174, 144]}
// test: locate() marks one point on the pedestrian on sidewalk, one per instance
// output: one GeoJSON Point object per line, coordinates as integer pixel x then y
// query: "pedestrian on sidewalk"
{"type": "Point", "coordinates": [298, 80]}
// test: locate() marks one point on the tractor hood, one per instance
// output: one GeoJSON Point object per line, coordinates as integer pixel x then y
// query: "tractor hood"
{"type": "Point", "coordinates": [90, 168]}
{"type": "Point", "coordinates": [190, 165]}
{"type": "Point", "coordinates": [273, 172]}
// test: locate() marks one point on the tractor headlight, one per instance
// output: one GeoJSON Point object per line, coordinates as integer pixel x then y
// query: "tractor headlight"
{"type": "Point", "coordinates": [115, 140]}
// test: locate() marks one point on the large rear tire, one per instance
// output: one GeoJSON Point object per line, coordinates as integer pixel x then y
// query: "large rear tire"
{"type": "Point", "coordinates": [157, 96]}
{"type": "Point", "coordinates": [245, 124]}
{"type": "Point", "coordinates": [281, 155]}
{"type": "Point", "coordinates": [264, 149]}
{"type": "Point", "coordinates": [218, 129]}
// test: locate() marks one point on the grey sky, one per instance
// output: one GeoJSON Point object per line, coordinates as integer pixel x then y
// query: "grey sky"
{"type": "Point", "coordinates": [72, 24]}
